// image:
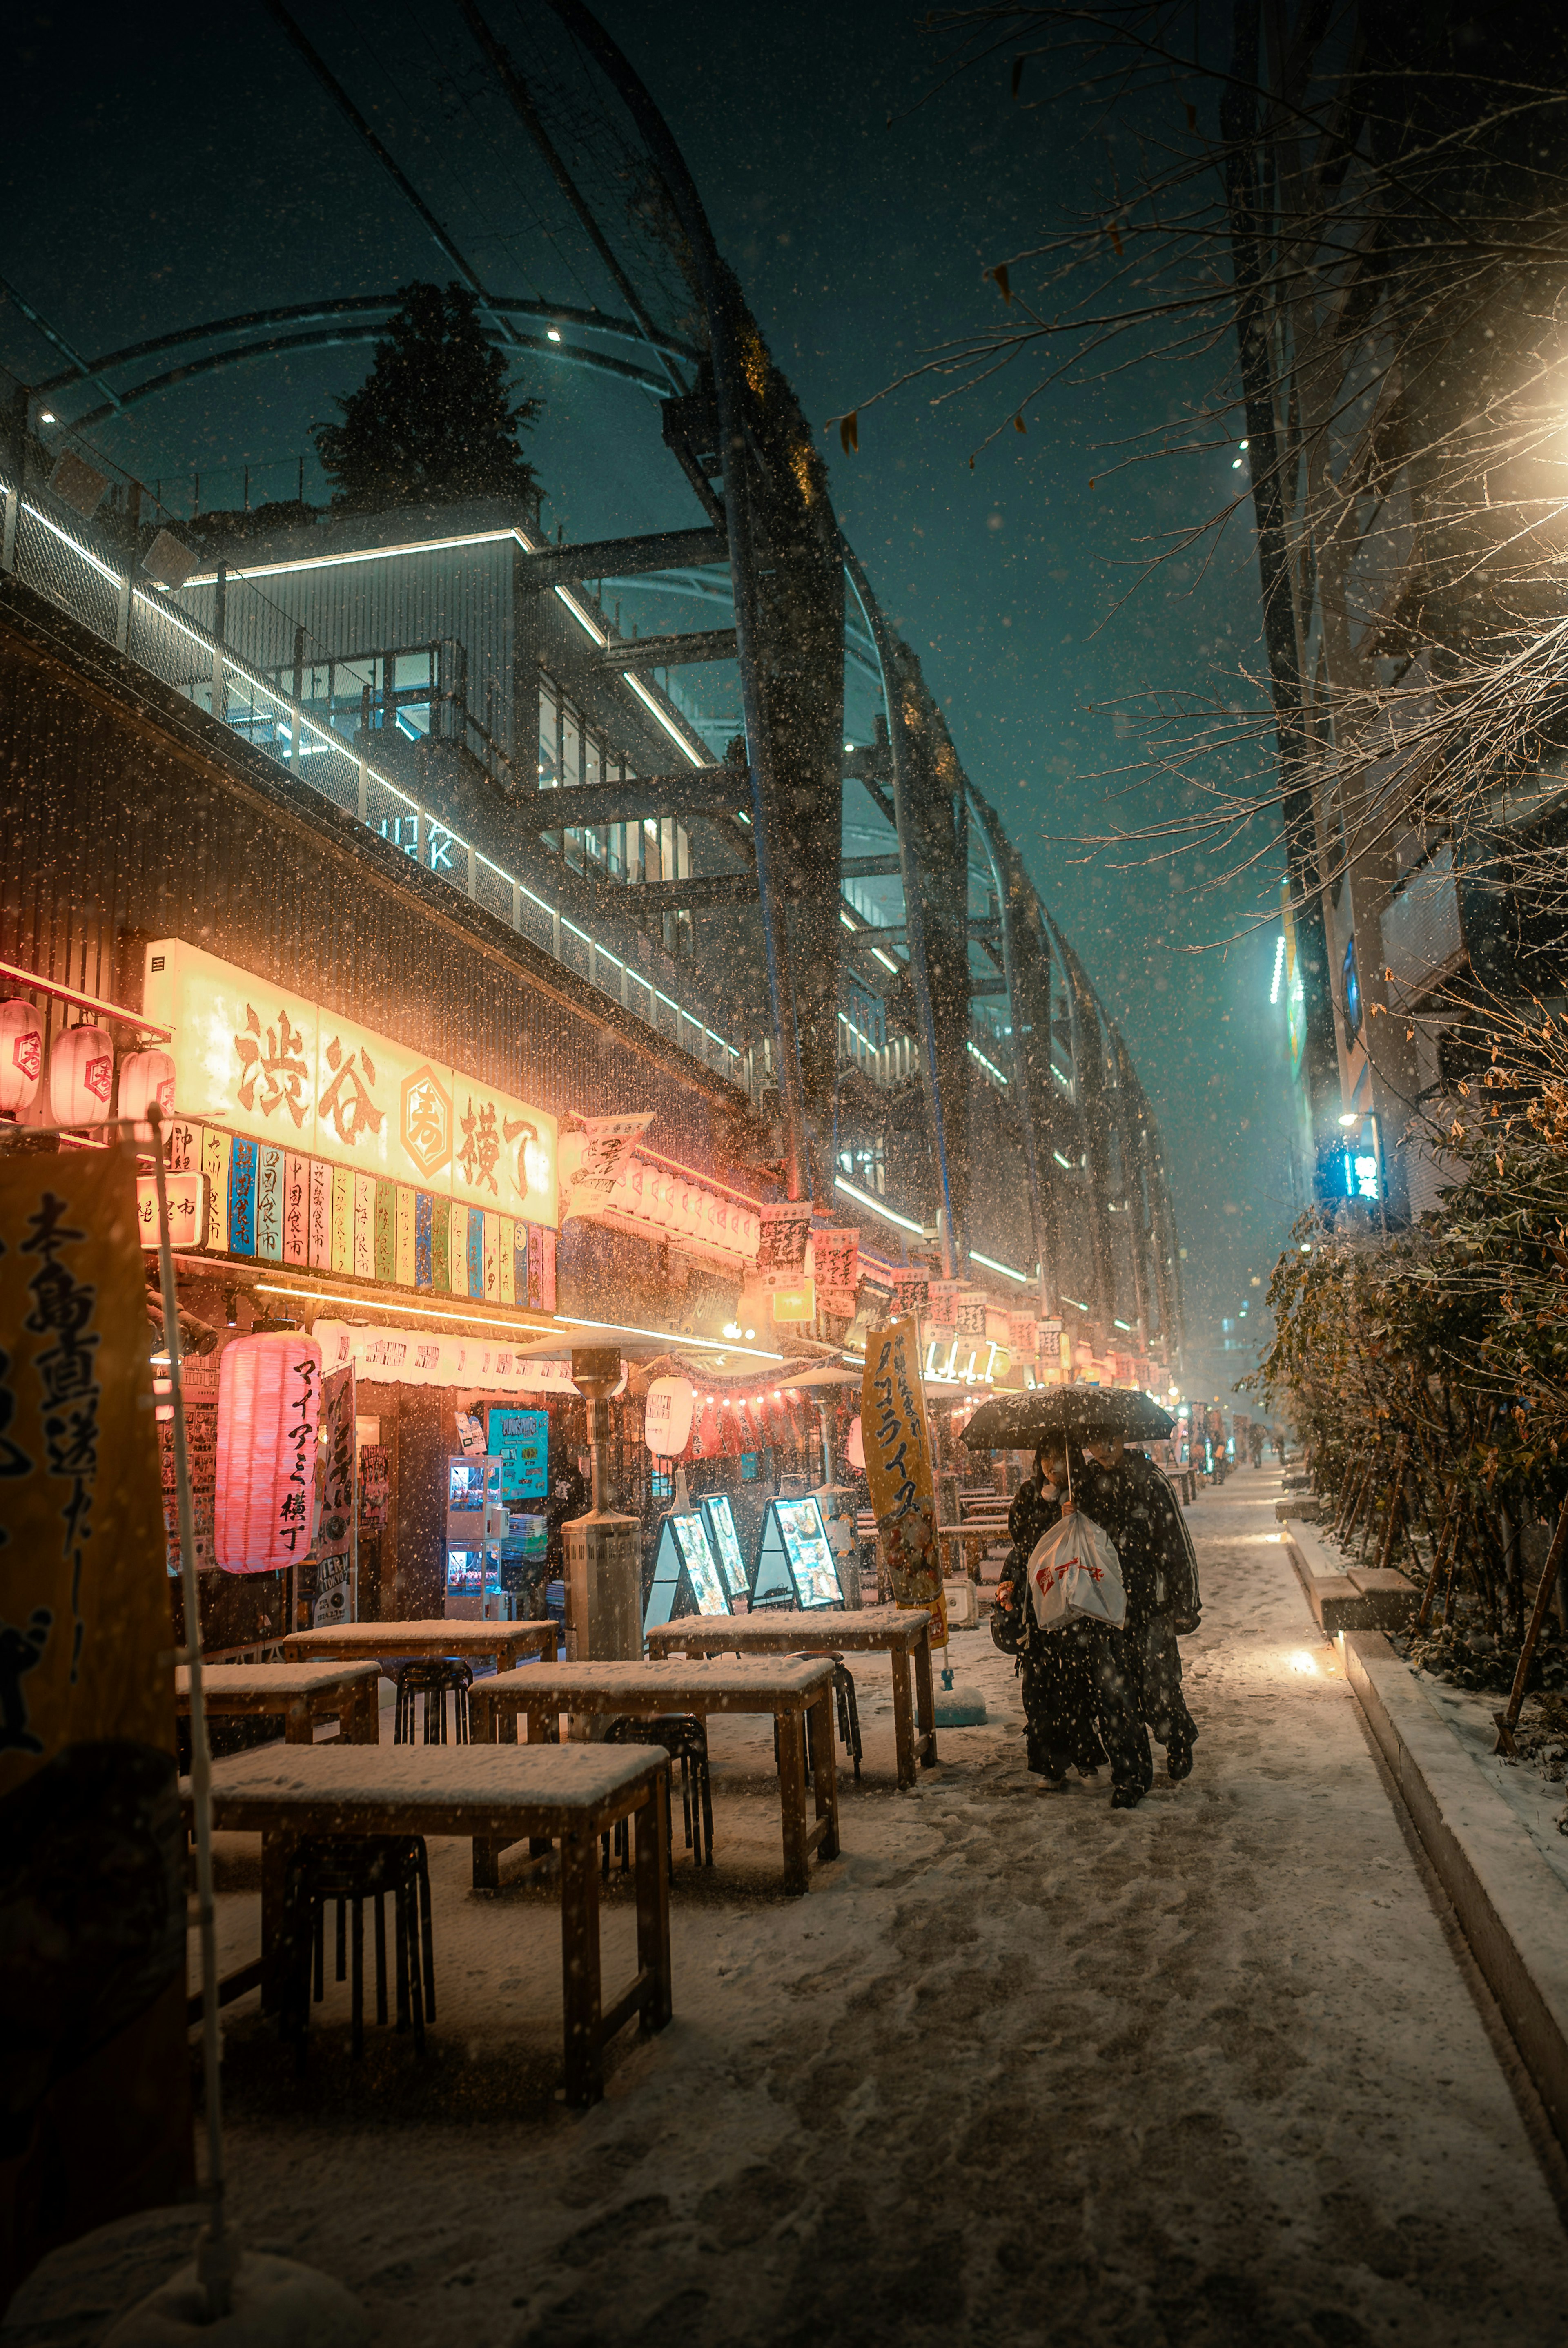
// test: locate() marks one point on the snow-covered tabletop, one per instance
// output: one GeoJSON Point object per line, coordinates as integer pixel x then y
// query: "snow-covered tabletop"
{"type": "Point", "coordinates": [439, 1789]}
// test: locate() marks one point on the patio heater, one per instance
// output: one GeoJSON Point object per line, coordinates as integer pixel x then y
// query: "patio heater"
{"type": "Point", "coordinates": [603, 1613]}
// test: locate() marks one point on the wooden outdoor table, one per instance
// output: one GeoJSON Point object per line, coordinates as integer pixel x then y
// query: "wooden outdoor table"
{"type": "Point", "coordinates": [797, 1691]}
{"type": "Point", "coordinates": [298, 1693]}
{"type": "Point", "coordinates": [571, 1793]}
{"type": "Point", "coordinates": [504, 1644]}
{"type": "Point", "coordinates": [899, 1631]}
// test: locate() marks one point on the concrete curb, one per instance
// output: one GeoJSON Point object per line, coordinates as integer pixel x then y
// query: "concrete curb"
{"type": "Point", "coordinates": [1512, 1908]}
{"type": "Point", "coordinates": [1361, 1598]}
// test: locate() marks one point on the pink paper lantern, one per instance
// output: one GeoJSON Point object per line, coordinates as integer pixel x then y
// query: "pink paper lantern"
{"type": "Point", "coordinates": [146, 1077]}
{"type": "Point", "coordinates": [81, 1076]}
{"type": "Point", "coordinates": [268, 1405]}
{"type": "Point", "coordinates": [21, 1056]}
{"type": "Point", "coordinates": [854, 1448]}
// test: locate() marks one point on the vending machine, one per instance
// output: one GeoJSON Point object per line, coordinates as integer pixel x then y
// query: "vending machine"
{"type": "Point", "coordinates": [521, 1440]}
{"type": "Point", "coordinates": [725, 1543]}
{"type": "Point", "coordinates": [476, 1528]}
{"type": "Point", "coordinates": [686, 1577]}
{"type": "Point", "coordinates": [796, 1563]}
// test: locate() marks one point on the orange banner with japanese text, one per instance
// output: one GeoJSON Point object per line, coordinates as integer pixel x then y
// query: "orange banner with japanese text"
{"type": "Point", "coordinates": [898, 1444]}
{"type": "Point", "coordinates": [92, 1908]}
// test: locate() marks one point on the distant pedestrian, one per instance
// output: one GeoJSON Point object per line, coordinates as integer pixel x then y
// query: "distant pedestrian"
{"type": "Point", "coordinates": [1133, 1498]}
{"type": "Point", "coordinates": [1254, 1443]}
{"type": "Point", "coordinates": [1078, 1705]}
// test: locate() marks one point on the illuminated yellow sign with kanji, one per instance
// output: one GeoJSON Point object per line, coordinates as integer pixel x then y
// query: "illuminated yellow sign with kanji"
{"type": "Point", "coordinates": [249, 1056]}
{"type": "Point", "coordinates": [426, 1120]}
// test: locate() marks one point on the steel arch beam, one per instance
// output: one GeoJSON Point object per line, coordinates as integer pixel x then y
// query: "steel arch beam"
{"type": "Point", "coordinates": [313, 313]}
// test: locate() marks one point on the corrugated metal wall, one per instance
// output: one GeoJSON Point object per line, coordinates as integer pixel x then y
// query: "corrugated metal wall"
{"type": "Point", "coordinates": [462, 592]}
{"type": "Point", "coordinates": [112, 831]}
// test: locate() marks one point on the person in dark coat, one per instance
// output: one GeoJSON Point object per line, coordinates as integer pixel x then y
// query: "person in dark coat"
{"type": "Point", "coordinates": [1078, 1706]}
{"type": "Point", "coordinates": [1132, 1497]}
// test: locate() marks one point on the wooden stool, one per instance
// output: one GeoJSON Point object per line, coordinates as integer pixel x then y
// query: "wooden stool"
{"type": "Point", "coordinates": [685, 1739]}
{"type": "Point", "coordinates": [351, 1870]}
{"type": "Point", "coordinates": [434, 1679]}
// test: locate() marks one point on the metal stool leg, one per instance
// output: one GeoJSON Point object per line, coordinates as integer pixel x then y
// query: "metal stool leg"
{"type": "Point", "coordinates": [852, 1740]}
{"type": "Point", "coordinates": [705, 1788]}
{"type": "Point", "coordinates": [380, 1957]}
{"type": "Point", "coordinates": [422, 1878]}
{"type": "Point", "coordinates": [400, 1940]}
{"type": "Point", "coordinates": [357, 1992]}
{"type": "Point", "coordinates": [408, 1911]}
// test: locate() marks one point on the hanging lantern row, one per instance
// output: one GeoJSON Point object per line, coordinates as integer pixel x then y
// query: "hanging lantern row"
{"type": "Point", "coordinates": [683, 1423]}
{"type": "Point", "coordinates": [686, 1209]}
{"type": "Point", "coordinates": [81, 1072]}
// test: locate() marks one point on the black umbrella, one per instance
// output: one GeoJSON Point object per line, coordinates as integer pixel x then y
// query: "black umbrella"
{"type": "Point", "coordinates": [1015, 1422]}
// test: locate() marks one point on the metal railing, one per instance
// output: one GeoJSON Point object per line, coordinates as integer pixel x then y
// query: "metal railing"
{"type": "Point", "coordinates": [55, 554]}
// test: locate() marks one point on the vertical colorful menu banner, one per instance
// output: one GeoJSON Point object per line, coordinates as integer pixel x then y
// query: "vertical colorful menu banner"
{"type": "Point", "coordinates": [343, 1219]}
{"type": "Point", "coordinates": [215, 1166]}
{"type": "Point", "coordinates": [296, 1208]}
{"type": "Point", "coordinates": [270, 1205]}
{"type": "Point", "coordinates": [363, 1264]}
{"type": "Point", "coordinates": [383, 1244]}
{"type": "Point", "coordinates": [241, 1197]}
{"type": "Point", "coordinates": [403, 1243]}
{"type": "Point", "coordinates": [320, 1216]}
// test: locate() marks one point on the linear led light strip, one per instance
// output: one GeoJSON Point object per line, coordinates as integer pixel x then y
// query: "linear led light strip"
{"type": "Point", "coordinates": [1006, 1270]}
{"type": "Point", "coordinates": [426, 1312]}
{"type": "Point", "coordinates": [875, 1206]}
{"type": "Point", "coordinates": [990, 1066]}
{"type": "Point", "coordinates": [327, 740]}
{"type": "Point", "coordinates": [564, 1322]}
{"type": "Point", "coordinates": [591, 628]}
{"type": "Point", "coordinates": [368, 554]}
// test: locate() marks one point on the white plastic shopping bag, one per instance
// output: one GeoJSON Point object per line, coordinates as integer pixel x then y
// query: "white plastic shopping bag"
{"type": "Point", "coordinates": [1074, 1574]}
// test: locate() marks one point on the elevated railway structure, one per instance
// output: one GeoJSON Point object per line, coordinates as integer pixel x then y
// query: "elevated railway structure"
{"type": "Point", "coordinates": [695, 764]}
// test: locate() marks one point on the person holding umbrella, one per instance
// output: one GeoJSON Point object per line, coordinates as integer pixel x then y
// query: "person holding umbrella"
{"type": "Point", "coordinates": [1125, 1492]}
{"type": "Point", "coordinates": [1078, 1705]}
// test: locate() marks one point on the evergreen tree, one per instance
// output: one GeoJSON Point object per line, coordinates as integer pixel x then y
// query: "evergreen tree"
{"type": "Point", "coordinates": [431, 421]}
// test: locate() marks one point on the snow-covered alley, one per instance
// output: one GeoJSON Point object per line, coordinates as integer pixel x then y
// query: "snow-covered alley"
{"type": "Point", "coordinates": [1018, 2068]}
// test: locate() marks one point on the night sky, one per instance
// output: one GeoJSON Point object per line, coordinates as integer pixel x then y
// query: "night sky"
{"type": "Point", "coordinates": [162, 167]}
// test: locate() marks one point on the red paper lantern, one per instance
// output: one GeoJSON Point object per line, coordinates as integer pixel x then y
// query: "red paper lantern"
{"type": "Point", "coordinates": [81, 1076]}
{"type": "Point", "coordinates": [21, 1056]}
{"type": "Point", "coordinates": [268, 1405]}
{"type": "Point", "coordinates": [146, 1077]}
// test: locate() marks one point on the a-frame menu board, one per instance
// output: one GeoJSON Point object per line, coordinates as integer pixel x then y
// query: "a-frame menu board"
{"type": "Point", "coordinates": [686, 1577]}
{"type": "Point", "coordinates": [724, 1541]}
{"type": "Point", "coordinates": [795, 1564]}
